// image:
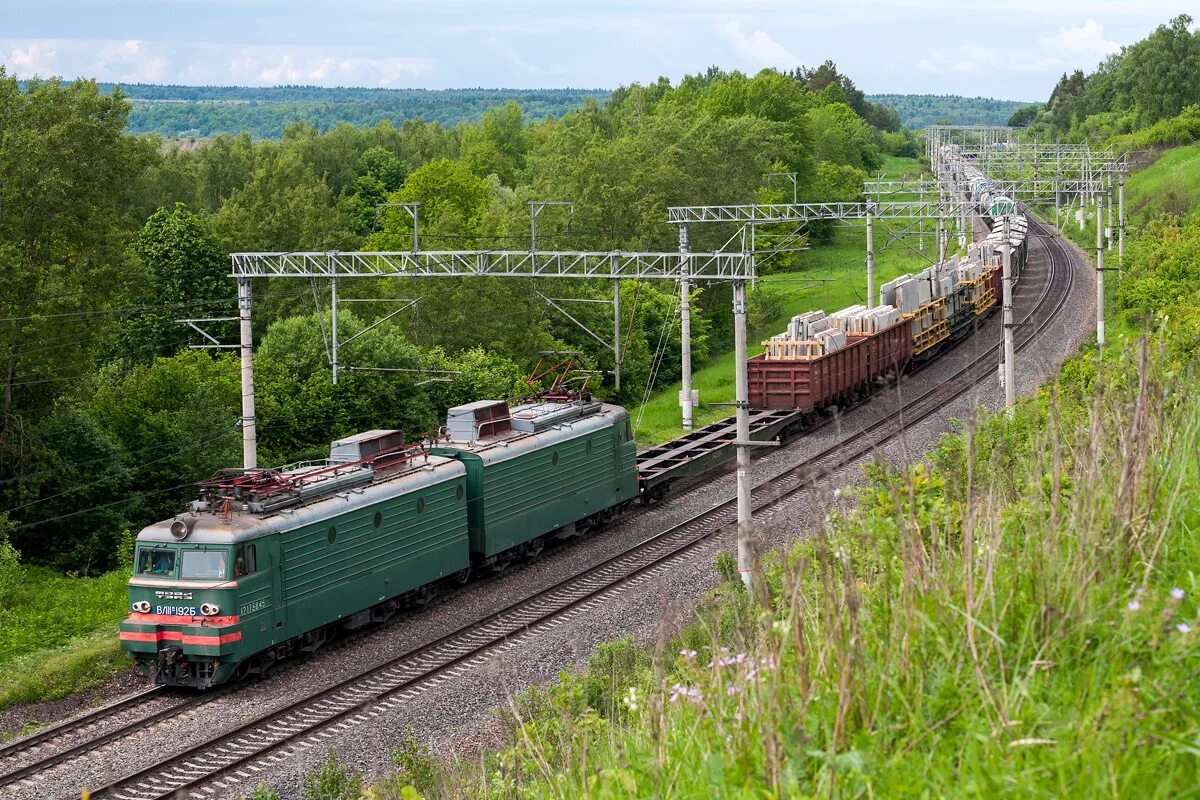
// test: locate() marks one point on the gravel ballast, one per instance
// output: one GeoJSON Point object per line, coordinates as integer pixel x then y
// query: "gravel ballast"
{"type": "Point", "coordinates": [455, 715]}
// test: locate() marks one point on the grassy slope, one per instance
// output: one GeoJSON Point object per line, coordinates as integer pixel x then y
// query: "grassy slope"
{"type": "Point", "coordinates": [831, 276]}
{"type": "Point", "coordinates": [1177, 172]}
{"type": "Point", "coordinates": [1172, 182]}
{"type": "Point", "coordinates": [58, 633]}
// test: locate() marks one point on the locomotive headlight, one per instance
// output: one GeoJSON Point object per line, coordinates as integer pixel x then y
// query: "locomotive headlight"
{"type": "Point", "coordinates": [181, 527]}
{"type": "Point", "coordinates": [209, 609]}
{"type": "Point", "coordinates": [141, 606]}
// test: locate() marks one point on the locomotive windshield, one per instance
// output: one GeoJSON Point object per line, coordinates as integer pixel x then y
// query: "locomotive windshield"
{"type": "Point", "coordinates": [156, 562]}
{"type": "Point", "coordinates": [202, 564]}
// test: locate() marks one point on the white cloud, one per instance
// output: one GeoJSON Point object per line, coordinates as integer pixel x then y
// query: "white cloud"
{"type": "Point", "coordinates": [134, 61]}
{"type": "Point", "coordinates": [756, 48]}
{"type": "Point", "coordinates": [1084, 41]}
{"type": "Point", "coordinates": [31, 58]}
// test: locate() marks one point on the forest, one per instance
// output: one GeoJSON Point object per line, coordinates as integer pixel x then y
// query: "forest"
{"type": "Point", "coordinates": [919, 111]}
{"type": "Point", "coordinates": [111, 238]}
{"type": "Point", "coordinates": [181, 112]}
{"type": "Point", "coordinates": [202, 112]}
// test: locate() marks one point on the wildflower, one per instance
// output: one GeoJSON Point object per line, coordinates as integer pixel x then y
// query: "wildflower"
{"type": "Point", "coordinates": [732, 690]}
{"type": "Point", "coordinates": [630, 699]}
{"type": "Point", "coordinates": [1134, 605]}
{"type": "Point", "coordinates": [737, 717]}
{"type": "Point", "coordinates": [1177, 593]}
{"type": "Point", "coordinates": [1141, 590]}
{"type": "Point", "coordinates": [1183, 627]}
{"type": "Point", "coordinates": [688, 655]}
{"type": "Point", "coordinates": [679, 691]}
{"type": "Point", "coordinates": [781, 627]}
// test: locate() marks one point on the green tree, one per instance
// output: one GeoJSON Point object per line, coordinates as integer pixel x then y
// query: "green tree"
{"type": "Point", "coordinates": [63, 164]}
{"type": "Point", "coordinates": [175, 420]}
{"type": "Point", "coordinates": [185, 274]}
{"type": "Point", "coordinates": [73, 501]}
{"type": "Point", "coordinates": [497, 145]}
{"type": "Point", "coordinates": [1161, 74]}
{"type": "Point", "coordinates": [453, 200]}
{"type": "Point", "coordinates": [384, 166]}
{"type": "Point", "coordinates": [841, 136]}
{"type": "Point", "coordinates": [284, 206]}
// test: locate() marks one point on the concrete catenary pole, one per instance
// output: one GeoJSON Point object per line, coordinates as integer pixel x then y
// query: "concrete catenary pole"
{"type": "Point", "coordinates": [742, 397]}
{"type": "Point", "coordinates": [1100, 269]}
{"type": "Point", "coordinates": [617, 334]}
{"type": "Point", "coordinates": [870, 257]}
{"type": "Point", "coordinates": [685, 323]}
{"type": "Point", "coordinates": [1121, 220]}
{"type": "Point", "coordinates": [333, 326]}
{"type": "Point", "coordinates": [249, 431]}
{"type": "Point", "coordinates": [1108, 228]}
{"type": "Point", "coordinates": [1010, 368]}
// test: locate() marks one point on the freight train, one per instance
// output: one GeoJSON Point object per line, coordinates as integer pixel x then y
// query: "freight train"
{"type": "Point", "coordinates": [823, 361]}
{"type": "Point", "coordinates": [272, 563]}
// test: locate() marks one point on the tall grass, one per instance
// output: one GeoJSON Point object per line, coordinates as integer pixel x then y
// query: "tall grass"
{"type": "Point", "coordinates": [1014, 618]}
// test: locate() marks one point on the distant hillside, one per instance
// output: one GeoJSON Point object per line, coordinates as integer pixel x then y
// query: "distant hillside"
{"type": "Point", "coordinates": [923, 110]}
{"type": "Point", "coordinates": [203, 111]}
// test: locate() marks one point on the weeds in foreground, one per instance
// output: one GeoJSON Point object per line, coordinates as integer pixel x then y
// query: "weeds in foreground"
{"type": "Point", "coordinates": [1016, 617]}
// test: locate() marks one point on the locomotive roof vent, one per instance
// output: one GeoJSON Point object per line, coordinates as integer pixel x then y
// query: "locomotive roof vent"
{"type": "Point", "coordinates": [361, 446]}
{"type": "Point", "coordinates": [478, 420]}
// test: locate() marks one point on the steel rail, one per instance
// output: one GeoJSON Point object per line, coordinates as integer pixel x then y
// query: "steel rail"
{"type": "Point", "coordinates": [387, 686]}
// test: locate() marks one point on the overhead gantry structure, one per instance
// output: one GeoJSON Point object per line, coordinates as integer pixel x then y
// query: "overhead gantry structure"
{"type": "Point", "coordinates": [1035, 172]}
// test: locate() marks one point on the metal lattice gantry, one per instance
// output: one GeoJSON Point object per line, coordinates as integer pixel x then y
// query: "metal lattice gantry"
{"type": "Point", "coordinates": [945, 207]}
{"type": "Point", "coordinates": [977, 160]}
{"type": "Point", "coordinates": [708, 266]}
{"type": "Point", "coordinates": [731, 266]}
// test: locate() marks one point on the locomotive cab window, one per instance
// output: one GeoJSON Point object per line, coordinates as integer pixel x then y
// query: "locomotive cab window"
{"type": "Point", "coordinates": [156, 561]}
{"type": "Point", "coordinates": [244, 562]}
{"type": "Point", "coordinates": [202, 564]}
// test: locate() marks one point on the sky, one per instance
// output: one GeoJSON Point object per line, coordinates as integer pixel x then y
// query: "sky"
{"type": "Point", "coordinates": [1012, 49]}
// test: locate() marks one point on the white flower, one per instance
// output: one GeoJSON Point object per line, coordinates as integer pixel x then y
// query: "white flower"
{"type": "Point", "coordinates": [1183, 627]}
{"type": "Point", "coordinates": [1134, 605]}
{"type": "Point", "coordinates": [630, 699]}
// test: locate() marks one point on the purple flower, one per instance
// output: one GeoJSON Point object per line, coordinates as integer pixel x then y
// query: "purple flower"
{"type": "Point", "coordinates": [1183, 627]}
{"type": "Point", "coordinates": [687, 654]}
{"type": "Point", "coordinates": [1177, 593]}
{"type": "Point", "coordinates": [1134, 605]}
{"type": "Point", "coordinates": [731, 691]}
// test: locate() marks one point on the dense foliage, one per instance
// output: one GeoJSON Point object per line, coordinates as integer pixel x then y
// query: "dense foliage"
{"type": "Point", "coordinates": [111, 239]}
{"type": "Point", "coordinates": [1146, 84]}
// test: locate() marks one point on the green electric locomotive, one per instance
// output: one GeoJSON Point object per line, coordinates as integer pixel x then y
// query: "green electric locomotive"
{"type": "Point", "coordinates": [271, 563]}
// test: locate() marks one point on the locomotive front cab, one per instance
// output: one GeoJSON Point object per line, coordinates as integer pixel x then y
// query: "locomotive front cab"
{"type": "Point", "coordinates": [184, 627]}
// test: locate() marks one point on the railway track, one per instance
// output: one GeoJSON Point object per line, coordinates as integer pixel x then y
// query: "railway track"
{"type": "Point", "coordinates": [233, 756]}
{"type": "Point", "coordinates": [375, 691]}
